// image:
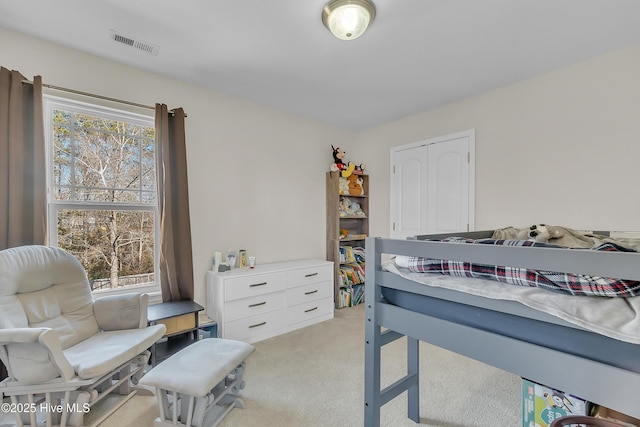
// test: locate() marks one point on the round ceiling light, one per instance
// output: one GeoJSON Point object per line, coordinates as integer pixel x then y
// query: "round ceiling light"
{"type": "Point", "coordinates": [348, 19]}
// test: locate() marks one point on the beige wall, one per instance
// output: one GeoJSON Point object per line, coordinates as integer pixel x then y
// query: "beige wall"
{"type": "Point", "coordinates": [562, 148]}
{"type": "Point", "coordinates": [256, 174]}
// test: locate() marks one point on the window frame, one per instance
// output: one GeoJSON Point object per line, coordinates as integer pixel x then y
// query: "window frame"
{"type": "Point", "coordinates": [51, 103]}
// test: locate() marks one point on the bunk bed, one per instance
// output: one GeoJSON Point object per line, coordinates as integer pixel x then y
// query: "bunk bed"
{"type": "Point", "coordinates": [599, 364]}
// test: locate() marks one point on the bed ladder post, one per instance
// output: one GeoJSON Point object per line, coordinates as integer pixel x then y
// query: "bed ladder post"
{"type": "Point", "coordinates": [373, 340]}
{"type": "Point", "coordinates": [372, 384]}
{"type": "Point", "coordinates": [413, 369]}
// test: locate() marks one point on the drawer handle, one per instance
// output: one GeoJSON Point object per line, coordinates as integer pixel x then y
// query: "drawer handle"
{"type": "Point", "coordinates": [311, 292]}
{"type": "Point", "coordinates": [310, 274]}
{"type": "Point", "coordinates": [257, 324]}
{"type": "Point", "coordinates": [311, 309]}
{"type": "Point", "coordinates": [257, 284]}
{"type": "Point", "coordinates": [257, 304]}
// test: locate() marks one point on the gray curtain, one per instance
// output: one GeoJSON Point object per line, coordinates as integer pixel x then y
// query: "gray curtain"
{"type": "Point", "coordinates": [176, 264]}
{"type": "Point", "coordinates": [23, 201]}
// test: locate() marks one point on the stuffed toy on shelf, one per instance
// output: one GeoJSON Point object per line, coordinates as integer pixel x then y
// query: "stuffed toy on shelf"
{"type": "Point", "coordinates": [356, 185]}
{"type": "Point", "coordinates": [344, 208]}
{"type": "Point", "coordinates": [343, 186]}
{"type": "Point", "coordinates": [346, 169]}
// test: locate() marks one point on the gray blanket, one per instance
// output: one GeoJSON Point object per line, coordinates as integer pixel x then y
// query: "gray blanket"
{"type": "Point", "coordinates": [562, 236]}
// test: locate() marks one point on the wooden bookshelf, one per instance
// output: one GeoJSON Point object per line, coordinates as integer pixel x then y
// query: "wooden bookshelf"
{"type": "Point", "coordinates": [355, 222]}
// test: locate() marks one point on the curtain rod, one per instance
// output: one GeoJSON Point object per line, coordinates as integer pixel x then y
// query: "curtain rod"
{"type": "Point", "coordinates": [92, 95]}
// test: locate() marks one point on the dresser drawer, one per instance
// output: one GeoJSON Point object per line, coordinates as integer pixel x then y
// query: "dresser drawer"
{"type": "Point", "coordinates": [256, 327]}
{"type": "Point", "coordinates": [303, 312]}
{"type": "Point", "coordinates": [245, 307]}
{"type": "Point", "coordinates": [307, 293]}
{"type": "Point", "coordinates": [255, 284]}
{"type": "Point", "coordinates": [304, 276]}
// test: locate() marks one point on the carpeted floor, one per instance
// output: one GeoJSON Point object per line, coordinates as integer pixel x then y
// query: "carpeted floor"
{"type": "Point", "coordinates": [314, 377]}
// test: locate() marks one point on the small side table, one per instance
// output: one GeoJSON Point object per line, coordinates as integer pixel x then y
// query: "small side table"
{"type": "Point", "coordinates": [181, 320]}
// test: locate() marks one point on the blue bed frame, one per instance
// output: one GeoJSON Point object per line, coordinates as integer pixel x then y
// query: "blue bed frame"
{"type": "Point", "coordinates": [594, 378]}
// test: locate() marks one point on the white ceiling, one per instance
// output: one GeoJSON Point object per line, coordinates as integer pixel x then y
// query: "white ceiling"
{"type": "Point", "coordinates": [417, 54]}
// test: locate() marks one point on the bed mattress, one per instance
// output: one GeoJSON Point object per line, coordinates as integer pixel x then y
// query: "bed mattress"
{"type": "Point", "coordinates": [617, 318]}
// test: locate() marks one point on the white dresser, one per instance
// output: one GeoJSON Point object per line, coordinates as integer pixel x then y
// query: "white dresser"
{"type": "Point", "coordinates": [271, 299]}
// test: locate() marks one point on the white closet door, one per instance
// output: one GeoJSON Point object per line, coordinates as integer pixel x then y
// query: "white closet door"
{"type": "Point", "coordinates": [408, 182]}
{"type": "Point", "coordinates": [432, 186]}
{"type": "Point", "coordinates": [448, 186]}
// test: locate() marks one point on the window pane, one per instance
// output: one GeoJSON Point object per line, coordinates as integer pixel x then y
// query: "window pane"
{"type": "Point", "coordinates": [148, 165]}
{"type": "Point", "coordinates": [116, 248]}
{"type": "Point", "coordinates": [62, 154]}
{"type": "Point", "coordinates": [102, 160]}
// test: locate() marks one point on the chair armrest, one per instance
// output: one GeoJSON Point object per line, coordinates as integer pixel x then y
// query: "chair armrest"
{"type": "Point", "coordinates": [21, 335]}
{"type": "Point", "coordinates": [116, 312]}
{"type": "Point", "coordinates": [34, 355]}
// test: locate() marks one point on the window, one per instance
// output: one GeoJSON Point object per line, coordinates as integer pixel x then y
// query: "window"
{"type": "Point", "coordinates": [102, 192]}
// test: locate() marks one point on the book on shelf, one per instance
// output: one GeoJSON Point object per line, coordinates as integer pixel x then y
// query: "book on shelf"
{"type": "Point", "coordinates": [345, 298]}
{"type": "Point", "coordinates": [351, 276]}
{"type": "Point", "coordinates": [351, 296]}
{"type": "Point", "coordinates": [350, 254]}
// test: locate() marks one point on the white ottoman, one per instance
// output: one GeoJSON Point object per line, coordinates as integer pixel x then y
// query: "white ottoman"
{"type": "Point", "coordinates": [202, 379]}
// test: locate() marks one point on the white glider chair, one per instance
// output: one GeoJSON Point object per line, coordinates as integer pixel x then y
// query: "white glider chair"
{"type": "Point", "coordinates": [65, 351]}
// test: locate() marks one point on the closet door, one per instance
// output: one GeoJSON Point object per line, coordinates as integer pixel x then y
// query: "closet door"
{"type": "Point", "coordinates": [448, 186]}
{"type": "Point", "coordinates": [432, 186]}
{"type": "Point", "coordinates": [409, 172]}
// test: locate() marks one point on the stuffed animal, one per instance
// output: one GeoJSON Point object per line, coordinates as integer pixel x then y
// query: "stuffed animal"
{"type": "Point", "coordinates": [356, 187]}
{"type": "Point", "coordinates": [541, 233]}
{"type": "Point", "coordinates": [343, 186]}
{"type": "Point", "coordinates": [359, 169]}
{"type": "Point", "coordinates": [356, 210]}
{"type": "Point", "coordinates": [344, 208]}
{"type": "Point", "coordinates": [346, 169]}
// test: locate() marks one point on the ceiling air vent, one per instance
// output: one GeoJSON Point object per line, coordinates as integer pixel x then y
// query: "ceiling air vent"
{"type": "Point", "coordinates": [138, 44]}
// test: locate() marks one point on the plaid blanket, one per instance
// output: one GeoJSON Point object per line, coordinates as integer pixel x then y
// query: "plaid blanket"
{"type": "Point", "coordinates": [567, 283]}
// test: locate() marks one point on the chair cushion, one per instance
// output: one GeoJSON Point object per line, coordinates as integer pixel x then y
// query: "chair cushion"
{"type": "Point", "coordinates": [68, 309]}
{"type": "Point", "coordinates": [13, 315]}
{"type": "Point", "coordinates": [105, 351]}
{"type": "Point", "coordinates": [196, 369]}
{"type": "Point", "coordinates": [43, 286]}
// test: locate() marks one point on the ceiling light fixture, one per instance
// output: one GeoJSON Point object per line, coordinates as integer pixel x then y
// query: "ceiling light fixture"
{"type": "Point", "coordinates": [348, 19]}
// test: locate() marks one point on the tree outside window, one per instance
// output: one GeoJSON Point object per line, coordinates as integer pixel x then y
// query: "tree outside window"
{"type": "Point", "coordinates": [102, 192]}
